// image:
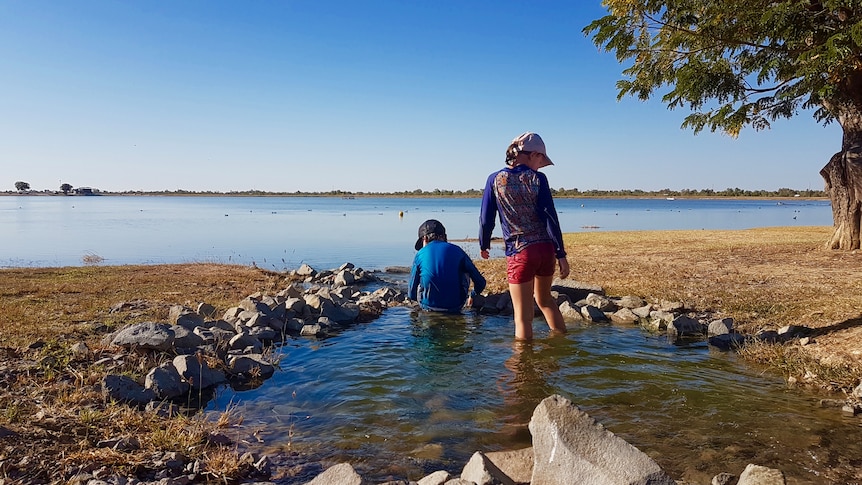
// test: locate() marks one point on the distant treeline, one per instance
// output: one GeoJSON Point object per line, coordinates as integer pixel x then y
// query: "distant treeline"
{"type": "Point", "coordinates": [561, 192]}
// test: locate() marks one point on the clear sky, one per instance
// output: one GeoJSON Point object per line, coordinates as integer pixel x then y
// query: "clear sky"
{"type": "Point", "coordinates": [364, 96]}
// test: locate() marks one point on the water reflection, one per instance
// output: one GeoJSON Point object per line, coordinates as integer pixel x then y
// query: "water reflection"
{"type": "Point", "coordinates": [526, 384]}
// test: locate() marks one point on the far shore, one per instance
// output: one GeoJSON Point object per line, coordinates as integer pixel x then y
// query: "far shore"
{"type": "Point", "coordinates": [768, 195]}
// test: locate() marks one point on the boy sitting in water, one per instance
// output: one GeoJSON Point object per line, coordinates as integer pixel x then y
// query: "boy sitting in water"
{"type": "Point", "coordinates": [441, 272]}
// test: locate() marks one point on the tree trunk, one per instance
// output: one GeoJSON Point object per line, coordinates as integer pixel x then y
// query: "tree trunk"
{"type": "Point", "coordinates": [843, 173]}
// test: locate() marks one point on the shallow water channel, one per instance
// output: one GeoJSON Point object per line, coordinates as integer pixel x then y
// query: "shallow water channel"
{"type": "Point", "coordinates": [411, 393]}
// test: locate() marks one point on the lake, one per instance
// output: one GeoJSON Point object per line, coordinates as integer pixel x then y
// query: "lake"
{"type": "Point", "coordinates": [284, 232]}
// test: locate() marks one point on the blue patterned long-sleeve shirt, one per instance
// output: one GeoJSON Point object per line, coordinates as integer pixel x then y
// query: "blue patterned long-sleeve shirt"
{"type": "Point", "coordinates": [522, 197]}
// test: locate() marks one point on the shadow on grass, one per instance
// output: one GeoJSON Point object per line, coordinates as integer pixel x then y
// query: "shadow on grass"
{"type": "Point", "coordinates": [837, 327]}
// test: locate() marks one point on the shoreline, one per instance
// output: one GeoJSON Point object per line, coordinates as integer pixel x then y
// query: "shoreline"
{"type": "Point", "coordinates": [476, 195]}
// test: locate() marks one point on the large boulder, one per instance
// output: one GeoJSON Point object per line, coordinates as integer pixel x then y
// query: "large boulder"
{"type": "Point", "coordinates": [569, 446]}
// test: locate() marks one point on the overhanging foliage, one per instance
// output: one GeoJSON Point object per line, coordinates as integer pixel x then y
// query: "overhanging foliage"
{"type": "Point", "coordinates": [737, 63]}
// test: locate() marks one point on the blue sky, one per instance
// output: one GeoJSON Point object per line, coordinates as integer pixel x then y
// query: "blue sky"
{"type": "Point", "coordinates": [345, 95]}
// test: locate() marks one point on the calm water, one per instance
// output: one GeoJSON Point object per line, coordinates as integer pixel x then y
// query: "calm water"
{"type": "Point", "coordinates": [284, 232]}
{"type": "Point", "coordinates": [408, 393]}
{"type": "Point", "coordinates": [411, 393]}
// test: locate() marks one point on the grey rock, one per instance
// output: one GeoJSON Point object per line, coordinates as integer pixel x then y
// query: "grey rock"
{"type": "Point", "coordinates": [242, 341]}
{"type": "Point", "coordinates": [575, 290]}
{"type": "Point", "coordinates": [569, 446]}
{"type": "Point", "coordinates": [658, 321]}
{"type": "Point", "coordinates": [80, 351]}
{"type": "Point", "coordinates": [146, 335]}
{"type": "Point", "coordinates": [163, 409]}
{"type": "Point", "coordinates": [294, 324]}
{"type": "Point", "coordinates": [761, 475]}
{"type": "Point", "coordinates": [231, 315]}
{"type": "Point", "coordinates": [176, 312]}
{"type": "Point", "coordinates": [593, 314]}
{"type": "Point", "coordinates": [630, 302]}
{"type": "Point", "coordinates": [437, 478]}
{"type": "Point", "coordinates": [221, 336]}
{"type": "Point", "coordinates": [306, 270]}
{"type": "Point", "coordinates": [251, 365]}
{"type": "Point", "coordinates": [185, 338]}
{"type": "Point", "coordinates": [643, 311]}
{"type": "Point", "coordinates": [482, 471]}
{"type": "Point", "coordinates": [264, 334]}
{"type": "Point", "coordinates": [344, 278]}
{"type": "Point", "coordinates": [165, 381]}
{"type": "Point", "coordinates": [125, 389]}
{"type": "Point", "coordinates": [720, 327]}
{"type": "Point", "coordinates": [341, 474]}
{"type": "Point", "coordinates": [252, 305]}
{"type": "Point", "coordinates": [671, 306]}
{"type": "Point", "coordinates": [625, 316]}
{"type": "Point", "coordinates": [515, 464]}
{"type": "Point", "coordinates": [346, 313]}
{"type": "Point", "coordinates": [571, 312]}
{"type": "Point", "coordinates": [290, 292]}
{"type": "Point", "coordinates": [206, 310]}
{"type": "Point", "coordinates": [197, 373]}
{"type": "Point", "coordinates": [684, 326]}
{"type": "Point", "coordinates": [311, 330]}
{"type": "Point", "coordinates": [601, 302]}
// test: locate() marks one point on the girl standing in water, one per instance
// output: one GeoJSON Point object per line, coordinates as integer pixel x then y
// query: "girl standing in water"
{"type": "Point", "coordinates": [531, 230]}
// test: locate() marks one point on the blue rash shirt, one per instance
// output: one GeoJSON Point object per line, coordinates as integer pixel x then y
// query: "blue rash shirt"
{"type": "Point", "coordinates": [523, 199]}
{"type": "Point", "coordinates": [440, 277]}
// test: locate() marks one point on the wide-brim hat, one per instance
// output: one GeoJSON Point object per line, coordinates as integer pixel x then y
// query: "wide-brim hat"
{"type": "Point", "coordinates": [431, 226]}
{"type": "Point", "coordinates": [532, 142]}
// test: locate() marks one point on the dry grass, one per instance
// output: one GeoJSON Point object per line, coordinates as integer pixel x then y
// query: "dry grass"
{"type": "Point", "coordinates": [59, 303]}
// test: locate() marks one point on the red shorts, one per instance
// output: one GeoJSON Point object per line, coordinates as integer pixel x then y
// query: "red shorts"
{"type": "Point", "coordinates": [538, 259]}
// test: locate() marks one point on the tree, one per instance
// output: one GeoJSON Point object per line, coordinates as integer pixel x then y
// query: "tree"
{"type": "Point", "coordinates": [739, 63]}
{"type": "Point", "coordinates": [66, 188]}
{"type": "Point", "coordinates": [22, 186]}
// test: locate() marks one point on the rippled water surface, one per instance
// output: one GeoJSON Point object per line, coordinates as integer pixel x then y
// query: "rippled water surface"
{"type": "Point", "coordinates": [412, 393]}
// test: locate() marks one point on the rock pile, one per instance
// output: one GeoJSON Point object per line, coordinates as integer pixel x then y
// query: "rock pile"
{"type": "Point", "coordinates": [236, 347]}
